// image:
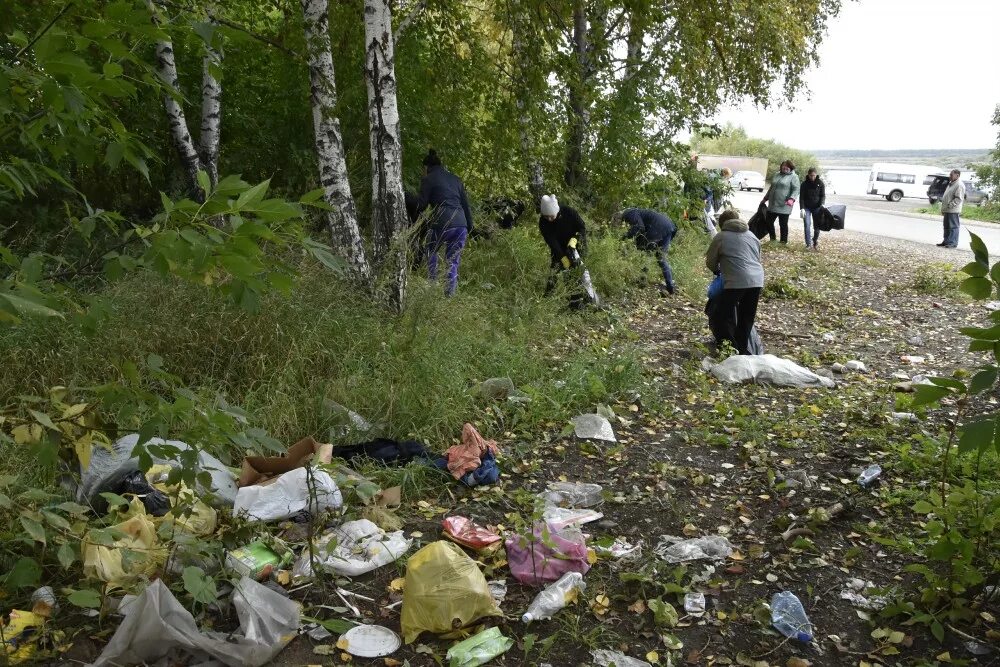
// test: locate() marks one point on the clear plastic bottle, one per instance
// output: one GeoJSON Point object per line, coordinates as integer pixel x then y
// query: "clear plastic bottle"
{"type": "Point", "coordinates": [789, 617]}
{"type": "Point", "coordinates": [554, 597]}
{"type": "Point", "coordinates": [869, 474]}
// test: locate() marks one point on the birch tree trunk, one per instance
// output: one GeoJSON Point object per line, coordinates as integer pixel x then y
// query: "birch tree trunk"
{"type": "Point", "coordinates": [343, 219]}
{"type": "Point", "coordinates": [579, 111]}
{"type": "Point", "coordinates": [536, 181]}
{"type": "Point", "coordinates": [388, 202]}
{"type": "Point", "coordinates": [211, 113]}
{"type": "Point", "coordinates": [166, 69]}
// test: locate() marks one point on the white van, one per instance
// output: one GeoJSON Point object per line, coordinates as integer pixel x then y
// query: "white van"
{"type": "Point", "coordinates": [895, 181]}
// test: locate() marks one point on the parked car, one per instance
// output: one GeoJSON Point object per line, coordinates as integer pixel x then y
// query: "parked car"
{"type": "Point", "coordinates": [747, 180]}
{"type": "Point", "coordinates": [939, 182]}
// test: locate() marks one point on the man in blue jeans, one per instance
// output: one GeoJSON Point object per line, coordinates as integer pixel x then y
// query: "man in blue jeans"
{"type": "Point", "coordinates": [951, 207]}
{"type": "Point", "coordinates": [450, 220]}
{"type": "Point", "coordinates": [652, 231]}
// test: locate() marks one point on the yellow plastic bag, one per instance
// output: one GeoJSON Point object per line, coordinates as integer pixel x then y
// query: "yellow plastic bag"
{"type": "Point", "coordinates": [138, 553]}
{"type": "Point", "coordinates": [19, 636]}
{"type": "Point", "coordinates": [444, 591]}
{"type": "Point", "coordinates": [202, 519]}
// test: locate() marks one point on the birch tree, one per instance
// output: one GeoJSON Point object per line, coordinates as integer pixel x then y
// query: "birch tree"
{"type": "Point", "coordinates": [342, 219]}
{"type": "Point", "coordinates": [388, 201]}
{"type": "Point", "coordinates": [211, 107]}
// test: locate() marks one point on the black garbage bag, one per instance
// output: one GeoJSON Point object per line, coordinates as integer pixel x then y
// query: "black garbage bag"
{"type": "Point", "coordinates": [135, 484]}
{"type": "Point", "coordinates": [384, 450]}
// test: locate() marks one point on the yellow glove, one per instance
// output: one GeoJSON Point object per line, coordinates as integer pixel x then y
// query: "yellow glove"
{"type": "Point", "coordinates": [565, 262]}
{"type": "Point", "coordinates": [572, 242]}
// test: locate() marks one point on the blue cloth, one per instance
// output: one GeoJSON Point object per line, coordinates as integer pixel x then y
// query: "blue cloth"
{"type": "Point", "coordinates": [444, 193]}
{"type": "Point", "coordinates": [951, 226]}
{"type": "Point", "coordinates": [488, 471]}
{"type": "Point", "coordinates": [452, 240]}
{"type": "Point", "coordinates": [716, 286]}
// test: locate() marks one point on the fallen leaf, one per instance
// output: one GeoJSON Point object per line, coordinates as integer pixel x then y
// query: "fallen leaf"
{"type": "Point", "coordinates": [653, 657]}
{"type": "Point", "coordinates": [392, 662]}
{"type": "Point", "coordinates": [797, 662]}
{"type": "Point", "coordinates": [637, 607]}
{"type": "Point", "coordinates": [397, 584]}
{"type": "Point", "coordinates": [325, 649]}
{"type": "Point", "coordinates": [600, 605]}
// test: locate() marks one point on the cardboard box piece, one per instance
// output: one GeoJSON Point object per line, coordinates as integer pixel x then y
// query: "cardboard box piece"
{"type": "Point", "coordinates": [265, 469]}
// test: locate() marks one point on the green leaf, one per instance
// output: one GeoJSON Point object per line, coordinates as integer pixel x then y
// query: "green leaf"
{"type": "Point", "coordinates": [327, 259]}
{"type": "Point", "coordinates": [252, 195]}
{"type": "Point", "coordinates": [923, 507]}
{"type": "Point", "coordinates": [979, 333]}
{"type": "Point", "coordinates": [113, 70]}
{"type": "Point", "coordinates": [87, 598]}
{"type": "Point", "coordinates": [28, 306]}
{"type": "Point", "coordinates": [66, 556]}
{"type": "Point", "coordinates": [338, 626]}
{"type": "Point", "coordinates": [936, 628]}
{"type": "Point", "coordinates": [979, 248]}
{"type": "Point", "coordinates": [25, 573]}
{"type": "Point", "coordinates": [975, 269]}
{"type": "Point", "coordinates": [206, 185]}
{"type": "Point", "coordinates": [983, 380]}
{"type": "Point", "coordinates": [977, 288]}
{"type": "Point", "coordinates": [664, 613]}
{"type": "Point", "coordinates": [34, 529]}
{"type": "Point", "coordinates": [4, 501]}
{"type": "Point", "coordinates": [924, 394]}
{"type": "Point", "coordinates": [199, 585]}
{"type": "Point", "coordinates": [43, 419]}
{"type": "Point", "coordinates": [311, 196]}
{"type": "Point", "coordinates": [55, 520]}
{"type": "Point", "coordinates": [950, 383]}
{"type": "Point", "coordinates": [995, 273]}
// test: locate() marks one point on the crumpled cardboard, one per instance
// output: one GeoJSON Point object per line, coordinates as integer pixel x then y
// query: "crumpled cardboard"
{"type": "Point", "coordinates": [262, 470]}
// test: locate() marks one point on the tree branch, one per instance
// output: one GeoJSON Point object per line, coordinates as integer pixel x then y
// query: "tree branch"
{"type": "Point", "coordinates": [407, 20]}
{"type": "Point", "coordinates": [44, 30]}
{"type": "Point", "coordinates": [234, 26]}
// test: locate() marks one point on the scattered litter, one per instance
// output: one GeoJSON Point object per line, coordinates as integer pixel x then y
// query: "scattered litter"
{"type": "Point", "coordinates": [920, 379]}
{"type": "Point", "coordinates": [546, 554]}
{"type": "Point", "coordinates": [605, 658]}
{"type": "Point", "coordinates": [353, 549]}
{"type": "Point", "coordinates": [560, 517]}
{"type": "Point", "coordinates": [621, 550]}
{"type": "Point", "coordinates": [369, 641]}
{"type": "Point", "coordinates": [869, 474]}
{"type": "Point", "coordinates": [789, 618]}
{"type": "Point", "coordinates": [107, 468]}
{"type": "Point", "coordinates": [498, 590]}
{"type": "Point", "coordinates": [825, 373]}
{"type": "Point", "coordinates": [903, 416]}
{"type": "Point", "coordinates": [911, 359]}
{"type": "Point", "coordinates": [767, 368]}
{"type": "Point", "coordinates": [855, 366]}
{"type": "Point", "coordinates": [256, 561]}
{"type": "Point", "coordinates": [444, 591]}
{"type": "Point", "coordinates": [17, 636]}
{"type": "Point", "coordinates": [288, 495]}
{"type": "Point", "coordinates": [554, 597]}
{"type": "Point", "coordinates": [479, 649]}
{"type": "Point", "coordinates": [262, 469]}
{"type": "Point", "coordinates": [694, 603]}
{"type": "Point", "coordinates": [464, 531]}
{"type": "Point", "coordinates": [44, 601]}
{"type": "Point", "coordinates": [343, 420]}
{"type": "Point", "coordinates": [385, 451]}
{"type": "Point", "coordinates": [317, 632]}
{"type": "Point", "coordinates": [977, 648]}
{"type": "Point", "coordinates": [828, 337]}
{"type": "Point", "coordinates": [474, 461]}
{"type": "Point", "coordinates": [573, 494]}
{"type": "Point", "coordinates": [135, 554]}
{"type": "Point", "coordinates": [593, 427]}
{"type": "Point", "coordinates": [798, 478]}
{"type": "Point", "coordinates": [677, 550]}
{"type": "Point", "coordinates": [156, 625]}
{"type": "Point", "coordinates": [854, 590]}
{"type": "Point", "coordinates": [992, 305]}
{"type": "Point", "coordinates": [838, 368]}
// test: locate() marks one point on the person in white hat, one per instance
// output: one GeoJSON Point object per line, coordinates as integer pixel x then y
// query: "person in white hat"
{"type": "Point", "coordinates": [563, 229]}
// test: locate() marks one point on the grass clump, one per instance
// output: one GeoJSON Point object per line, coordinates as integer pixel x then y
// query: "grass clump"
{"type": "Point", "coordinates": [986, 212]}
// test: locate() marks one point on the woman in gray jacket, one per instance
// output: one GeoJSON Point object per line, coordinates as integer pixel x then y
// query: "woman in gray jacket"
{"type": "Point", "coordinates": [951, 208]}
{"type": "Point", "coordinates": [735, 251]}
{"type": "Point", "coordinates": [780, 198]}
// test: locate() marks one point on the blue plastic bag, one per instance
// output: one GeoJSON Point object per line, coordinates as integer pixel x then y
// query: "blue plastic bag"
{"type": "Point", "coordinates": [715, 287]}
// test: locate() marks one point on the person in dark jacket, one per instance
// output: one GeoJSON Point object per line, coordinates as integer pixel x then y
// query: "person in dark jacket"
{"type": "Point", "coordinates": [563, 229]}
{"type": "Point", "coordinates": [652, 231]}
{"type": "Point", "coordinates": [735, 252]}
{"type": "Point", "coordinates": [812, 195]}
{"type": "Point", "coordinates": [450, 221]}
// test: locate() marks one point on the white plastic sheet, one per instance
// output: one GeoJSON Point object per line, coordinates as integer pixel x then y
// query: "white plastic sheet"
{"type": "Point", "coordinates": [359, 547]}
{"type": "Point", "coordinates": [593, 427]}
{"type": "Point", "coordinates": [156, 626]}
{"type": "Point", "coordinates": [605, 658]}
{"type": "Point", "coordinates": [767, 368]}
{"type": "Point", "coordinates": [675, 550]}
{"type": "Point", "coordinates": [288, 495]}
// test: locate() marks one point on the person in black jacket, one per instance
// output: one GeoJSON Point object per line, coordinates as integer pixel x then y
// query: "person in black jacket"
{"type": "Point", "coordinates": [563, 230]}
{"type": "Point", "coordinates": [450, 221]}
{"type": "Point", "coordinates": [812, 195]}
{"type": "Point", "coordinates": [652, 231]}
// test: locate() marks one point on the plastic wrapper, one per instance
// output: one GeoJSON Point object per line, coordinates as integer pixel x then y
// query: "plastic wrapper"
{"type": "Point", "coordinates": [605, 658]}
{"type": "Point", "coordinates": [135, 484]}
{"type": "Point", "coordinates": [156, 625]}
{"type": "Point", "coordinates": [694, 603]}
{"type": "Point", "coordinates": [573, 494]}
{"type": "Point", "coordinates": [712, 547]}
{"type": "Point", "coordinates": [479, 649]}
{"type": "Point", "coordinates": [593, 427]}
{"type": "Point", "coordinates": [547, 554]}
{"type": "Point", "coordinates": [561, 517]}
{"type": "Point", "coordinates": [19, 633]}
{"type": "Point", "coordinates": [255, 560]}
{"type": "Point", "coordinates": [358, 547]}
{"type": "Point", "coordinates": [288, 495]}
{"type": "Point", "coordinates": [464, 531]}
{"type": "Point", "coordinates": [769, 369]}
{"type": "Point", "coordinates": [137, 554]}
{"type": "Point", "coordinates": [444, 591]}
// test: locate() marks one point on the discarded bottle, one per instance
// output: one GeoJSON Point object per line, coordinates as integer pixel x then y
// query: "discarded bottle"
{"type": "Point", "coordinates": [554, 597]}
{"type": "Point", "coordinates": [869, 474]}
{"type": "Point", "coordinates": [789, 618]}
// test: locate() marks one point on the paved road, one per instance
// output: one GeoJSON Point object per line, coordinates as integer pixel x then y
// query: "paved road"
{"type": "Point", "coordinates": [892, 225]}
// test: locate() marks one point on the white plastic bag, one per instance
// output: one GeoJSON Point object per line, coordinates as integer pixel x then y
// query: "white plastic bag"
{"type": "Point", "coordinates": [358, 547]}
{"type": "Point", "coordinates": [288, 495]}
{"type": "Point", "coordinates": [768, 368]}
{"type": "Point", "coordinates": [593, 427]}
{"type": "Point", "coordinates": [156, 625]}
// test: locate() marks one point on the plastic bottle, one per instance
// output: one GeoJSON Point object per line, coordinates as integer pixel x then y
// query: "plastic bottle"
{"type": "Point", "coordinates": [869, 474]}
{"type": "Point", "coordinates": [789, 618]}
{"type": "Point", "coordinates": [554, 597]}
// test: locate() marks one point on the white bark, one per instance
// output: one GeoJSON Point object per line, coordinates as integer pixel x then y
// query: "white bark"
{"type": "Point", "coordinates": [343, 219]}
{"type": "Point", "coordinates": [211, 114]}
{"type": "Point", "coordinates": [536, 182]}
{"type": "Point", "coordinates": [166, 69]}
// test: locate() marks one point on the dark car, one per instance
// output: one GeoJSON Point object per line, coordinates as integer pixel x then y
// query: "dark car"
{"type": "Point", "coordinates": [939, 182]}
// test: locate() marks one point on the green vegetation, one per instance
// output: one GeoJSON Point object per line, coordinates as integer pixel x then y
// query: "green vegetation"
{"type": "Point", "coordinates": [733, 140]}
{"type": "Point", "coordinates": [987, 213]}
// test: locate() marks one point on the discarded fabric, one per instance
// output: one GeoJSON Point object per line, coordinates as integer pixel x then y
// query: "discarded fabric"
{"type": "Point", "coordinates": [554, 597]}
{"type": "Point", "coordinates": [593, 427]}
{"type": "Point", "coordinates": [677, 550]}
{"type": "Point", "coordinates": [384, 451]}
{"type": "Point", "coordinates": [357, 547]}
{"type": "Point", "coordinates": [156, 625]}
{"type": "Point", "coordinates": [573, 494]}
{"type": "Point", "coordinates": [464, 531]}
{"type": "Point", "coordinates": [767, 368]}
{"type": "Point", "coordinates": [479, 649]}
{"type": "Point", "coordinates": [470, 455]}
{"type": "Point", "coordinates": [444, 591]}
{"type": "Point", "coordinates": [605, 658]}
{"type": "Point", "coordinates": [287, 495]}
{"type": "Point", "coordinates": [546, 554]}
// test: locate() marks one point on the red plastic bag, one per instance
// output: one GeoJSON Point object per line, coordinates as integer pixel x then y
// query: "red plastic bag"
{"type": "Point", "coordinates": [464, 531]}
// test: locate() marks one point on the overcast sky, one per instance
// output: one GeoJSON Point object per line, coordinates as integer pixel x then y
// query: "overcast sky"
{"type": "Point", "coordinates": [895, 74]}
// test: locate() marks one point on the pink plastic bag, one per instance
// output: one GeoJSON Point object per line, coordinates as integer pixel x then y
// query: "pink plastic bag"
{"type": "Point", "coordinates": [546, 554]}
